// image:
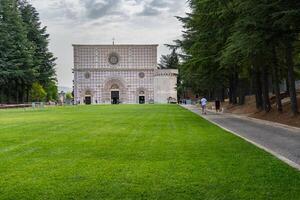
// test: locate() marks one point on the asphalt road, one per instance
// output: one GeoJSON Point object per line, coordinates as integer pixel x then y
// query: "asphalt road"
{"type": "Point", "coordinates": [280, 140]}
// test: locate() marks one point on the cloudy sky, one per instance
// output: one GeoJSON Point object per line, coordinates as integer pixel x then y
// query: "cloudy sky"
{"type": "Point", "coordinates": [98, 21]}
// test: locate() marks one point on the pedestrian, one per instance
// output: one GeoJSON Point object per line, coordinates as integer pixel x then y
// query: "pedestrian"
{"type": "Point", "coordinates": [203, 103]}
{"type": "Point", "coordinates": [218, 105]}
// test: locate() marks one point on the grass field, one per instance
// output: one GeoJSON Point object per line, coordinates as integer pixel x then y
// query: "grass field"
{"type": "Point", "coordinates": [133, 152]}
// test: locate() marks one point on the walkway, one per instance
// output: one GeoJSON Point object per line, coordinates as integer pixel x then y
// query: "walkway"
{"type": "Point", "coordinates": [280, 140]}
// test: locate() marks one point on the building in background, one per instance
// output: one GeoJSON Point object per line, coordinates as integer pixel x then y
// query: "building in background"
{"type": "Point", "coordinates": [112, 74]}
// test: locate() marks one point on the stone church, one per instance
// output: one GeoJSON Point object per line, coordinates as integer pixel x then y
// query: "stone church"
{"type": "Point", "coordinates": [127, 74]}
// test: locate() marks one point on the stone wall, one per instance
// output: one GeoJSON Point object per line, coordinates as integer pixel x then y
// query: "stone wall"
{"type": "Point", "coordinates": [165, 82]}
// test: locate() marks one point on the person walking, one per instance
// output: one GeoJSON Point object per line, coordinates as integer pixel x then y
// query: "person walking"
{"type": "Point", "coordinates": [218, 105]}
{"type": "Point", "coordinates": [203, 102]}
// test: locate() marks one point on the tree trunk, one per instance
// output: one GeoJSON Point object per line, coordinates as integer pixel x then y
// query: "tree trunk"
{"type": "Point", "coordinates": [222, 99]}
{"type": "Point", "coordinates": [265, 89]}
{"type": "Point", "coordinates": [257, 88]}
{"type": "Point", "coordinates": [276, 81]}
{"type": "Point", "coordinates": [236, 85]}
{"type": "Point", "coordinates": [9, 93]}
{"type": "Point", "coordinates": [17, 93]}
{"type": "Point", "coordinates": [233, 85]}
{"type": "Point", "coordinates": [291, 78]}
{"type": "Point", "coordinates": [231, 89]}
{"type": "Point", "coordinates": [242, 91]}
{"type": "Point", "coordinates": [211, 95]}
{"type": "Point", "coordinates": [287, 85]}
{"type": "Point", "coordinates": [219, 94]}
{"type": "Point", "coordinates": [27, 94]}
{"type": "Point", "coordinates": [1, 95]}
{"type": "Point", "coordinates": [22, 93]}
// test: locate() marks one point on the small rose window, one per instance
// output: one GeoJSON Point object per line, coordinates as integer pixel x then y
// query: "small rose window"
{"type": "Point", "coordinates": [113, 59]}
{"type": "Point", "coordinates": [142, 75]}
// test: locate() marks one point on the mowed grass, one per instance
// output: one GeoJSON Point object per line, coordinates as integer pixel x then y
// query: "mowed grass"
{"type": "Point", "coordinates": [133, 152]}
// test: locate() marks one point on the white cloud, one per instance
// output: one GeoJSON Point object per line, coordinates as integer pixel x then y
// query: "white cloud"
{"type": "Point", "coordinates": [98, 21]}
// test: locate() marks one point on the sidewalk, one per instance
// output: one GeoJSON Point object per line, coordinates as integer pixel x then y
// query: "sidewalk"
{"type": "Point", "coordinates": [280, 140]}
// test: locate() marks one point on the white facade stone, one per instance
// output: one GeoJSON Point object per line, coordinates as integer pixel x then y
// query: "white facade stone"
{"type": "Point", "coordinates": [165, 82]}
{"type": "Point", "coordinates": [130, 71]}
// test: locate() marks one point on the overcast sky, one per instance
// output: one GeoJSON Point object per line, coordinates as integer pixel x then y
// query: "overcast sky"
{"type": "Point", "coordinates": [98, 21]}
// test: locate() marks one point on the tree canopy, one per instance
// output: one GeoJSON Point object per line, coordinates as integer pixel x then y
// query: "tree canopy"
{"type": "Point", "coordinates": [170, 61]}
{"type": "Point", "coordinates": [24, 55]}
{"type": "Point", "coordinates": [240, 47]}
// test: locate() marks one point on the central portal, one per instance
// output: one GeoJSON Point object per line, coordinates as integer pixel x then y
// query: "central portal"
{"type": "Point", "coordinates": [88, 100]}
{"type": "Point", "coordinates": [141, 99]}
{"type": "Point", "coordinates": [115, 97]}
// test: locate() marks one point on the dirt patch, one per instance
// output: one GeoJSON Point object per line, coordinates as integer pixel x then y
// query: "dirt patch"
{"type": "Point", "coordinates": [285, 118]}
{"type": "Point", "coordinates": [249, 109]}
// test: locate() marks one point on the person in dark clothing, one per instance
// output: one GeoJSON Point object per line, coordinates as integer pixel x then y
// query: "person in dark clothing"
{"type": "Point", "coordinates": [218, 105]}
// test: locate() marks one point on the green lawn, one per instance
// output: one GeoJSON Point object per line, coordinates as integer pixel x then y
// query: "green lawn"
{"type": "Point", "coordinates": [133, 152]}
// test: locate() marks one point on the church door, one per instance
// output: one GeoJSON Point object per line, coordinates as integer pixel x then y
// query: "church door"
{"type": "Point", "coordinates": [115, 97]}
{"type": "Point", "coordinates": [88, 100]}
{"type": "Point", "coordinates": [142, 99]}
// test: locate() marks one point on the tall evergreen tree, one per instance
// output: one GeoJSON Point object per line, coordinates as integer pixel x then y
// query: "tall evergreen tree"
{"type": "Point", "coordinates": [242, 46]}
{"type": "Point", "coordinates": [286, 22]}
{"type": "Point", "coordinates": [170, 61]}
{"type": "Point", "coordinates": [44, 60]}
{"type": "Point", "coordinates": [16, 54]}
{"type": "Point", "coordinates": [24, 55]}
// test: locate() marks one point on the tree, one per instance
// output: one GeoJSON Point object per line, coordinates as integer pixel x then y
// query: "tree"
{"type": "Point", "coordinates": [286, 21]}
{"type": "Point", "coordinates": [16, 51]}
{"type": "Point", "coordinates": [69, 96]}
{"type": "Point", "coordinates": [37, 92]}
{"type": "Point", "coordinates": [241, 46]}
{"type": "Point", "coordinates": [44, 60]}
{"type": "Point", "coordinates": [202, 42]}
{"type": "Point", "coordinates": [170, 61]}
{"type": "Point", "coordinates": [52, 91]}
{"type": "Point", "coordinates": [24, 55]}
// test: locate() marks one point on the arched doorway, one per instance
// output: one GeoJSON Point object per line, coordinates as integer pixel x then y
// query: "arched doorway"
{"type": "Point", "coordinates": [114, 91]}
{"type": "Point", "coordinates": [88, 97]}
{"type": "Point", "coordinates": [142, 98]}
{"type": "Point", "coordinates": [115, 94]}
{"type": "Point", "coordinates": [142, 95]}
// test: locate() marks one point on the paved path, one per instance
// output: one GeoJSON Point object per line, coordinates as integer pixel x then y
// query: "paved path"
{"type": "Point", "coordinates": [280, 140]}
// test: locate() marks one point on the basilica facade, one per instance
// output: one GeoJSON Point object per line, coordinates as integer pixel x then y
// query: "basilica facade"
{"type": "Point", "coordinates": [127, 74]}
